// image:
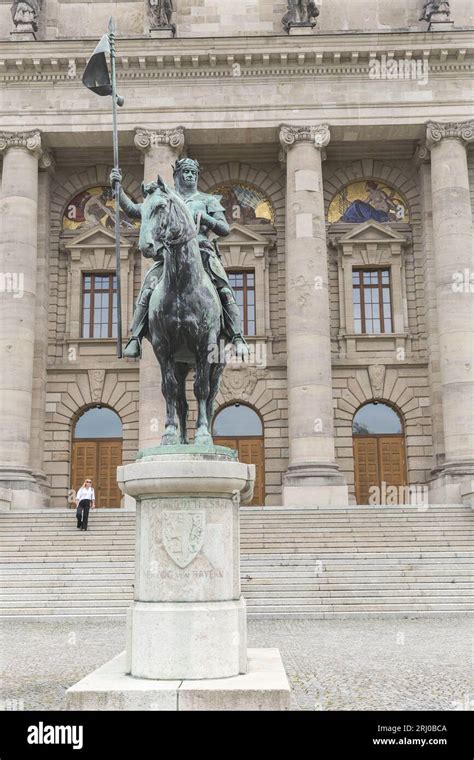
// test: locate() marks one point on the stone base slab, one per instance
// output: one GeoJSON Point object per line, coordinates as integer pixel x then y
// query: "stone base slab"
{"type": "Point", "coordinates": [450, 488]}
{"type": "Point", "coordinates": [301, 29]}
{"type": "Point", "coordinates": [22, 499]}
{"type": "Point", "coordinates": [162, 34]}
{"type": "Point", "coordinates": [307, 486]}
{"type": "Point", "coordinates": [312, 494]}
{"type": "Point", "coordinates": [167, 640]}
{"type": "Point", "coordinates": [264, 687]}
{"type": "Point", "coordinates": [441, 26]}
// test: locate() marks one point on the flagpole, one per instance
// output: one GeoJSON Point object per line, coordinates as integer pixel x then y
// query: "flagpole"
{"type": "Point", "coordinates": [116, 99]}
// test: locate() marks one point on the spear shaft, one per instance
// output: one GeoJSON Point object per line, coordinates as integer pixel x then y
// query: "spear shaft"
{"type": "Point", "coordinates": [116, 100]}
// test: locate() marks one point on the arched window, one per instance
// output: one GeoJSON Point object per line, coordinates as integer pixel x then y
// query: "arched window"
{"type": "Point", "coordinates": [237, 420]}
{"type": "Point", "coordinates": [375, 419]}
{"type": "Point", "coordinates": [98, 422]}
{"type": "Point", "coordinates": [97, 452]}
{"type": "Point", "coordinates": [240, 427]}
{"type": "Point", "coordinates": [379, 452]}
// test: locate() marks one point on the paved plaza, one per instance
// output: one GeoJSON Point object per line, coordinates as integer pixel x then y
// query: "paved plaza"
{"type": "Point", "coordinates": [378, 664]}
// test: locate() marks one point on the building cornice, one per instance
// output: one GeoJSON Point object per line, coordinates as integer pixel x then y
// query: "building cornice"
{"type": "Point", "coordinates": [238, 57]}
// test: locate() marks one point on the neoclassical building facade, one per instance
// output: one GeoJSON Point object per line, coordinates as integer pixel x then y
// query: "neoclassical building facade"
{"type": "Point", "coordinates": [342, 153]}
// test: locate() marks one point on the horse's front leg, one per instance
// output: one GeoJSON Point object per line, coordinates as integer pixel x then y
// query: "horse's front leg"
{"type": "Point", "coordinates": [201, 391]}
{"type": "Point", "coordinates": [169, 388]}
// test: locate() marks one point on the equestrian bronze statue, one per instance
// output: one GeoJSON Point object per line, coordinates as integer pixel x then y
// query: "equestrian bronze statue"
{"type": "Point", "coordinates": [186, 307]}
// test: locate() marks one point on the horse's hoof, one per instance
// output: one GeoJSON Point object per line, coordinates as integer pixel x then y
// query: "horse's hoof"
{"type": "Point", "coordinates": [203, 439]}
{"type": "Point", "coordinates": [169, 439]}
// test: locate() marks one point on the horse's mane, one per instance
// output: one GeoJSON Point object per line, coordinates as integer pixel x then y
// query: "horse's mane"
{"type": "Point", "coordinates": [180, 218]}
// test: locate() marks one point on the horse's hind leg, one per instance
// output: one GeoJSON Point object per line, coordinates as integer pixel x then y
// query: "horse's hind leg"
{"type": "Point", "coordinates": [201, 391]}
{"type": "Point", "coordinates": [215, 376]}
{"type": "Point", "coordinates": [181, 371]}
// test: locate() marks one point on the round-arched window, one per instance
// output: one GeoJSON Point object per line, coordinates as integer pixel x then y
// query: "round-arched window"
{"type": "Point", "coordinates": [98, 422]}
{"type": "Point", "coordinates": [237, 420]}
{"type": "Point", "coordinates": [377, 419]}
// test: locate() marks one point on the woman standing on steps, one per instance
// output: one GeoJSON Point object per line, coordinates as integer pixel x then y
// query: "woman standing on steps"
{"type": "Point", "coordinates": [85, 498]}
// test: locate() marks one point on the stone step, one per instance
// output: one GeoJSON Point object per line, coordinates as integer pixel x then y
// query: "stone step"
{"type": "Point", "coordinates": [409, 605]}
{"type": "Point", "coordinates": [85, 611]}
{"type": "Point", "coordinates": [319, 563]}
{"type": "Point", "coordinates": [112, 592]}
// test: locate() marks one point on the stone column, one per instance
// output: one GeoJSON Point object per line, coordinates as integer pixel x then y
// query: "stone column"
{"type": "Point", "coordinates": [18, 270]}
{"type": "Point", "coordinates": [453, 248]}
{"type": "Point", "coordinates": [160, 148]}
{"type": "Point", "coordinates": [313, 478]}
{"type": "Point", "coordinates": [38, 413]}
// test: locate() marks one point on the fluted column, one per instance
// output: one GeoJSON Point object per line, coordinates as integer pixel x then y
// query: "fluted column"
{"type": "Point", "coordinates": [453, 250]}
{"type": "Point", "coordinates": [160, 149]}
{"type": "Point", "coordinates": [18, 268]}
{"type": "Point", "coordinates": [313, 478]}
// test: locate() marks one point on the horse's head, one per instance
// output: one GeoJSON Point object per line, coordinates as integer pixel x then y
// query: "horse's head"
{"type": "Point", "coordinates": [166, 219]}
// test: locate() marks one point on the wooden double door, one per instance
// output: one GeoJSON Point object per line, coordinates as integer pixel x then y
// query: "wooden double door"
{"type": "Point", "coordinates": [98, 459]}
{"type": "Point", "coordinates": [251, 451]}
{"type": "Point", "coordinates": [378, 459]}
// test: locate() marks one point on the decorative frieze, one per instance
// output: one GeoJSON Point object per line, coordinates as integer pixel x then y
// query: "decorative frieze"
{"type": "Point", "coordinates": [29, 140]}
{"type": "Point", "coordinates": [457, 130]}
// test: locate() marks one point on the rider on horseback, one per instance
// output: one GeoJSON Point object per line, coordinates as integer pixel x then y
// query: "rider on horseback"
{"type": "Point", "coordinates": [209, 216]}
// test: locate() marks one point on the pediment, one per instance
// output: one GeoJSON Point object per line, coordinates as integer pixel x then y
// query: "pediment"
{"type": "Point", "coordinates": [372, 232]}
{"type": "Point", "coordinates": [243, 236]}
{"type": "Point", "coordinates": [94, 237]}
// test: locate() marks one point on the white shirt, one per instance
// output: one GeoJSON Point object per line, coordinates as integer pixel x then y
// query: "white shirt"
{"type": "Point", "coordinates": [86, 493]}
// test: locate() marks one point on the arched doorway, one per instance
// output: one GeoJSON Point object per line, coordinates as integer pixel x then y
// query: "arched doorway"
{"type": "Point", "coordinates": [97, 452]}
{"type": "Point", "coordinates": [239, 427]}
{"type": "Point", "coordinates": [379, 449]}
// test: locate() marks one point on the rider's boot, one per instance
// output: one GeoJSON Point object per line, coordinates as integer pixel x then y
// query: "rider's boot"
{"type": "Point", "coordinates": [233, 323]}
{"type": "Point", "coordinates": [133, 348]}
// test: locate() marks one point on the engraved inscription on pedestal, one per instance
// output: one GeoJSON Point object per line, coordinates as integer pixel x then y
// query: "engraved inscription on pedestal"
{"type": "Point", "coordinates": [183, 534]}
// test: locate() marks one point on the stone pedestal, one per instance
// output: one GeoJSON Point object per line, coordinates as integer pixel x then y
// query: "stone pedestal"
{"type": "Point", "coordinates": [301, 29]}
{"type": "Point", "coordinates": [162, 34]}
{"type": "Point", "coordinates": [452, 243]}
{"type": "Point", "coordinates": [439, 22]}
{"type": "Point", "coordinates": [313, 477]}
{"type": "Point", "coordinates": [186, 629]}
{"type": "Point", "coordinates": [23, 33]}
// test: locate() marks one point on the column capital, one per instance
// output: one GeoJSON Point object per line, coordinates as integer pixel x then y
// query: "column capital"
{"type": "Point", "coordinates": [318, 135]}
{"type": "Point", "coordinates": [457, 130]}
{"type": "Point", "coordinates": [47, 162]}
{"type": "Point", "coordinates": [421, 155]}
{"type": "Point", "coordinates": [28, 140]}
{"type": "Point", "coordinates": [145, 138]}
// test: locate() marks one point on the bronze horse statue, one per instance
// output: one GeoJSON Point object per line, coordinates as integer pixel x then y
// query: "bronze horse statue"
{"type": "Point", "coordinates": [184, 314]}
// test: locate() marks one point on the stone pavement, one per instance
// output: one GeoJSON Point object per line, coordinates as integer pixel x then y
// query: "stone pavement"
{"type": "Point", "coordinates": [380, 664]}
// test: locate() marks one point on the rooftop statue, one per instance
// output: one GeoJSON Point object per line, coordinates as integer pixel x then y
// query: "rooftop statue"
{"type": "Point", "coordinates": [300, 13]}
{"type": "Point", "coordinates": [432, 7]}
{"type": "Point", "coordinates": [26, 14]}
{"type": "Point", "coordinates": [161, 13]}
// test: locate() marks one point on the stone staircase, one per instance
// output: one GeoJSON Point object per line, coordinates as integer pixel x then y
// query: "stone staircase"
{"type": "Point", "coordinates": [391, 561]}
{"type": "Point", "coordinates": [359, 561]}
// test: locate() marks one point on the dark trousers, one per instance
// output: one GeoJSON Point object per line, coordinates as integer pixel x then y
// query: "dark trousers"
{"type": "Point", "coordinates": [83, 513]}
